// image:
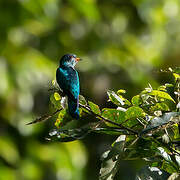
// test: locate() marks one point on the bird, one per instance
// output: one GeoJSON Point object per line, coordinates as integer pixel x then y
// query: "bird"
{"type": "Point", "coordinates": [68, 80]}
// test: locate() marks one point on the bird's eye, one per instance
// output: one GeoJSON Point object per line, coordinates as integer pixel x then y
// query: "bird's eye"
{"type": "Point", "coordinates": [70, 57]}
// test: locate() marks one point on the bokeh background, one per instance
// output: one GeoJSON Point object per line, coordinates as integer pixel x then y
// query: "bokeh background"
{"type": "Point", "coordinates": [123, 45]}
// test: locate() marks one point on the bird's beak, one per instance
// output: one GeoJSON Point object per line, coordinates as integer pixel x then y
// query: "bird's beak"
{"type": "Point", "coordinates": [78, 59]}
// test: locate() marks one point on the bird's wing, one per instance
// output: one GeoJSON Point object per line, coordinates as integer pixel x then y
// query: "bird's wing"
{"type": "Point", "coordinates": [68, 80]}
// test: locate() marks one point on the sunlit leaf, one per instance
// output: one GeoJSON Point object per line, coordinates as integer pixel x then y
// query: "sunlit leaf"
{"type": "Point", "coordinates": [57, 123]}
{"type": "Point", "coordinates": [177, 157]}
{"type": "Point", "coordinates": [107, 167]}
{"type": "Point", "coordinates": [148, 172]}
{"type": "Point", "coordinates": [114, 98]}
{"type": "Point", "coordinates": [63, 118]}
{"type": "Point", "coordinates": [56, 103]}
{"type": "Point", "coordinates": [121, 91]}
{"type": "Point", "coordinates": [175, 129]}
{"type": "Point", "coordinates": [176, 70]}
{"type": "Point", "coordinates": [94, 107]}
{"type": "Point", "coordinates": [161, 88]}
{"type": "Point", "coordinates": [134, 112]}
{"type": "Point", "coordinates": [144, 96]}
{"type": "Point", "coordinates": [168, 164]}
{"type": "Point", "coordinates": [114, 115]}
{"type": "Point", "coordinates": [127, 102]}
{"type": "Point", "coordinates": [111, 159]}
{"type": "Point", "coordinates": [82, 100]}
{"type": "Point", "coordinates": [161, 94]}
{"type": "Point", "coordinates": [176, 76]}
{"type": "Point", "coordinates": [119, 143]}
{"type": "Point", "coordinates": [53, 82]}
{"type": "Point", "coordinates": [136, 100]}
{"type": "Point", "coordinates": [159, 107]}
{"type": "Point", "coordinates": [57, 97]}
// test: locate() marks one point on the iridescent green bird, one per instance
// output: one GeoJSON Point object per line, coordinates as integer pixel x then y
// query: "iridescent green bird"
{"type": "Point", "coordinates": [68, 80]}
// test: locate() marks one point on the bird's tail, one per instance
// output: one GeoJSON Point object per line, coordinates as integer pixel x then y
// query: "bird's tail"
{"type": "Point", "coordinates": [73, 107]}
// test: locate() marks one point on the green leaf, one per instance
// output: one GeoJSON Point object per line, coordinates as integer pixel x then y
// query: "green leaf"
{"type": "Point", "coordinates": [114, 98]}
{"type": "Point", "coordinates": [148, 172]}
{"type": "Point", "coordinates": [176, 132]}
{"type": "Point", "coordinates": [161, 88]}
{"type": "Point", "coordinates": [176, 76]}
{"type": "Point", "coordinates": [111, 159]}
{"type": "Point", "coordinates": [173, 133]}
{"type": "Point", "coordinates": [82, 100]}
{"type": "Point", "coordinates": [114, 115]}
{"type": "Point", "coordinates": [142, 148]}
{"type": "Point", "coordinates": [161, 94]}
{"type": "Point", "coordinates": [169, 167]}
{"type": "Point", "coordinates": [176, 70]}
{"type": "Point", "coordinates": [177, 157]}
{"type": "Point", "coordinates": [136, 100]}
{"type": "Point", "coordinates": [119, 143]}
{"type": "Point", "coordinates": [94, 108]}
{"type": "Point", "coordinates": [121, 91]}
{"type": "Point", "coordinates": [134, 112]}
{"type": "Point", "coordinates": [63, 118]}
{"type": "Point", "coordinates": [159, 107]}
{"type": "Point", "coordinates": [57, 97]}
{"type": "Point", "coordinates": [144, 96]}
{"type": "Point", "coordinates": [54, 98]}
{"type": "Point", "coordinates": [164, 154]}
{"type": "Point", "coordinates": [168, 164]}
{"type": "Point", "coordinates": [125, 101]}
{"type": "Point", "coordinates": [53, 82]}
{"type": "Point", "coordinates": [119, 100]}
{"type": "Point", "coordinates": [107, 167]}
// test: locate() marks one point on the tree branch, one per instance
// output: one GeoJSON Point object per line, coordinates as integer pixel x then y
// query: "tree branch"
{"type": "Point", "coordinates": [44, 118]}
{"type": "Point", "coordinates": [107, 120]}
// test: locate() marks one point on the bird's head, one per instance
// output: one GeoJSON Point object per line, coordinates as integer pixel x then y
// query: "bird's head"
{"type": "Point", "coordinates": [69, 60]}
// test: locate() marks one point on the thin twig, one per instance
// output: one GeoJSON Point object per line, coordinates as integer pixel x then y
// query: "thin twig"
{"type": "Point", "coordinates": [44, 118]}
{"type": "Point", "coordinates": [135, 140]}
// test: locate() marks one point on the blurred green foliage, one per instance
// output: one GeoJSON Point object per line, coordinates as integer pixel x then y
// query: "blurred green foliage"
{"type": "Point", "coordinates": [121, 42]}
